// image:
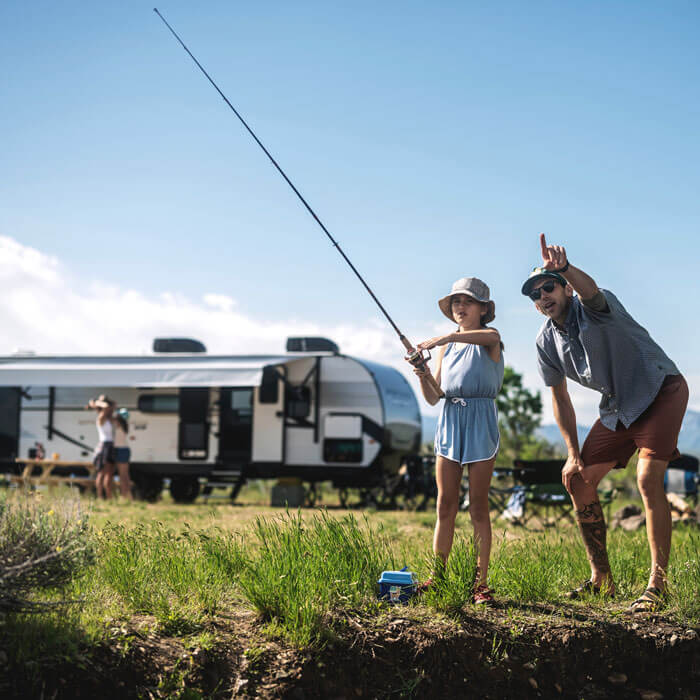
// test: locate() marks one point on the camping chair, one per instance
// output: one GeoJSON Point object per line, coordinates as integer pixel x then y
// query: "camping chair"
{"type": "Point", "coordinates": [682, 477]}
{"type": "Point", "coordinates": [537, 488]}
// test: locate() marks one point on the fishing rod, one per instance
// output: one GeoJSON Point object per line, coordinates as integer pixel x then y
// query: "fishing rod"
{"type": "Point", "coordinates": [416, 357]}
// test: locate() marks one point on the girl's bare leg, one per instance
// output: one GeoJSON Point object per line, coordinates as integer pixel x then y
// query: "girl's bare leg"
{"type": "Point", "coordinates": [108, 479]}
{"type": "Point", "coordinates": [124, 480]}
{"type": "Point", "coordinates": [99, 488]}
{"type": "Point", "coordinates": [480, 474]}
{"type": "Point", "coordinates": [448, 475]}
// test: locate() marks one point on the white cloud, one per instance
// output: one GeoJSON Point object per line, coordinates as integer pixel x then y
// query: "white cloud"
{"type": "Point", "coordinates": [43, 308]}
{"type": "Point", "coordinates": [219, 301]}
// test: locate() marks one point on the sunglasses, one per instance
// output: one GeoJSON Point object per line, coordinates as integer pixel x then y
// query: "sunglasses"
{"type": "Point", "coordinates": [548, 287]}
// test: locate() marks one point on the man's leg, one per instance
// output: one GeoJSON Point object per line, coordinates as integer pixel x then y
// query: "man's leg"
{"type": "Point", "coordinates": [589, 515]}
{"type": "Point", "coordinates": [650, 479]}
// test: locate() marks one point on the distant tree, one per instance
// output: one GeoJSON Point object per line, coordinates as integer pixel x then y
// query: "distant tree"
{"type": "Point", "coordinates": [519, 415]}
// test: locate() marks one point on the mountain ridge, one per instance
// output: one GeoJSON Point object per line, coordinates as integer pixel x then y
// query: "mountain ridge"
{"type": "Point", "coordinates": [688, 439]}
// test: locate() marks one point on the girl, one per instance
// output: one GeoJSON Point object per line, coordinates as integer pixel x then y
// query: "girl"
{"type": "Point", "coordinates": [104, 458]}
{"type": "Point", "coordinates": [470, 371]}
{"type": "Point", "coordinates": [122, 453]}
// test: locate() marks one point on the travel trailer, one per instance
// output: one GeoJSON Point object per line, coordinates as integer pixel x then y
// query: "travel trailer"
{"type": "Point", "coordinates": [213, 420]}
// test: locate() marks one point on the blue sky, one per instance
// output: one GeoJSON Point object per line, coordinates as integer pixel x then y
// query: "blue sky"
{"type": "Point", "coordinates": [434, 140]}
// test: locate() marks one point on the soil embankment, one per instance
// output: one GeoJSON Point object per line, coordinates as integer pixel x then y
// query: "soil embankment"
{"type": "Point", "coordinates": [540, 652]}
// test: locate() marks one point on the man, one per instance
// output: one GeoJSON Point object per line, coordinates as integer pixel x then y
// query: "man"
{"type": "Point", "coordinates": [592, 340]}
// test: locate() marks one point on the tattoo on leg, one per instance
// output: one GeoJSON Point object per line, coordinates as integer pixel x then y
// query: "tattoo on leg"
{"type": "Point", "coordinates": [594, 532]}
{"type": "Point", "coordinates": [593, 511]}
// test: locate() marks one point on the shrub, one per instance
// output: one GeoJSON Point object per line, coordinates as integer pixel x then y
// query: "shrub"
{"type": "Point", "coordinates": [41, 549]}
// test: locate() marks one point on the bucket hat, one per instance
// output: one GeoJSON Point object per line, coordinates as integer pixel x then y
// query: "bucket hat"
{"type": "Point", "coordinates": [539, 273]}
{"type": "Point", "coordinates": [474, 288]}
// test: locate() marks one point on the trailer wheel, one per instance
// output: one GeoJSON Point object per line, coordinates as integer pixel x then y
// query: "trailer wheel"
{"type": "Point", "coordinates": [184, 489]}
{"type": "Point", "coordinates": [147, 488]}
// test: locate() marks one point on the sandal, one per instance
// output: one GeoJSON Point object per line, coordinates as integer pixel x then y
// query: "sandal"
{"type": "Point", "coordinates": [652, 600]}
{"type": "Point", "coordinates": [425, 586]}
{"type": "Point", "coordinates": [586, 588]}
{"type": "Point", "coordinates": [483, 595]}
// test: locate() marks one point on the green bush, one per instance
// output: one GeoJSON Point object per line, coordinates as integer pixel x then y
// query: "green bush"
{"type": "Point", "coordinates": [41, 549]}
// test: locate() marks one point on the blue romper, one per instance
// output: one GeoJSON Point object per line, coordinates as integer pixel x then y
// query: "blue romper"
{"type": "Point", "coordinates": [467, 429]}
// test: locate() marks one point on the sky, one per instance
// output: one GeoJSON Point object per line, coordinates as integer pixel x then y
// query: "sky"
{"type": "Point", "coordinates": [434, 140]}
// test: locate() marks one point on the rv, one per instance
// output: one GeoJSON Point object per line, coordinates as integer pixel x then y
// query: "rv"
{"type": "Point", "coordinates": [213, 420]}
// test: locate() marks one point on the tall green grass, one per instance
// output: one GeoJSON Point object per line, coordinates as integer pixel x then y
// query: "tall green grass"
{"type": "Point", "coordinates": [303, 572]}
{"type": "Point", "coordinates": [302, 569]}
{"type": "Point", "coordinates": [178, 578]}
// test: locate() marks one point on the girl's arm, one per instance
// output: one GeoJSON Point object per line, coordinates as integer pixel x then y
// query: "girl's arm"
{"type": "Point", "coordinates": [488, 337]}
{"type": "Point", "coordinates": [426, 387]}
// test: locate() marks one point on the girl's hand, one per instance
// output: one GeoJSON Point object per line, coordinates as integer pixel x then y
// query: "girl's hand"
{"type": "Point", "coordinates": [433, 342]}
{"type": "Point", "coordinates": [553, 256]}
{"type": "Point", "coordinates": [422, 372]}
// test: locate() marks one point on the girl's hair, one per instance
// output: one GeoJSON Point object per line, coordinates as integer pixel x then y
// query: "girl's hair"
{"type": "Point", "coordinates": [123, 423]}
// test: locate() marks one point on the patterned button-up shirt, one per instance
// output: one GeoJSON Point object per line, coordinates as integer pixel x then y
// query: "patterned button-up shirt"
{"type": "Point", "coordinates": [607, 351]}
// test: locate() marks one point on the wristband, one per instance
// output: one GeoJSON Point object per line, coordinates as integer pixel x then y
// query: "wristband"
{"type": "Point", "coordinates": [562, 269]}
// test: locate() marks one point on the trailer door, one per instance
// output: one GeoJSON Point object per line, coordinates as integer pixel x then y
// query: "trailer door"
{"type": "Point", "coordinates": [9, 423]}
{"type": "Point", "coordinates": [193, 433]}
{"type": "Point", "coordinates": [236, 425]}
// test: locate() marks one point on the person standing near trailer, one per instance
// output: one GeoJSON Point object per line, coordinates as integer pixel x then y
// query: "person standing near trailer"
{"type": "Point", "coordinates": [122, 452]}
{"type": "Point", "coordinates": [592, 340]}
{"type": "Point", "coordinates": [104, 452]}
{"type": "Point", "coordinates": [470, 371]}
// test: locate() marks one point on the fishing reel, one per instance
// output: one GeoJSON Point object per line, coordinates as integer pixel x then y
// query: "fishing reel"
{"type": "Point", "coordinates": [419, 358]}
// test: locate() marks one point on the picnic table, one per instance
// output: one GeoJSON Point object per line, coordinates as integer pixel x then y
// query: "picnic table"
{"type": "Point", "coordinates": [53, 472]}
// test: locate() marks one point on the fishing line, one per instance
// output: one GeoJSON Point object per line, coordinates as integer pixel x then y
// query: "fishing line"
{"type": "Point", "coordinates": [417, 358]}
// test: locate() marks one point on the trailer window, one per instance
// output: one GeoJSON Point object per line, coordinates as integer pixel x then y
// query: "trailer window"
{"type": "Point", "coordinates": [298, 401]}
{"type": "Point", "coordinates": [242, 402]}
{"type": "Point", "coordinates": [338, 450]}
{"type": "Point", "coordinates": [159, 403]}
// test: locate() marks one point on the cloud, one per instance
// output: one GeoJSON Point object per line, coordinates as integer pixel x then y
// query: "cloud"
{"type": "Point", "coordinates": [44, 309]}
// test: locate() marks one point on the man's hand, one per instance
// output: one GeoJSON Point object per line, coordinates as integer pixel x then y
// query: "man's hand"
{"type": "Point", "coordinates": [553, 256]}
{"type": "Point", "coordinates": [574, 466]}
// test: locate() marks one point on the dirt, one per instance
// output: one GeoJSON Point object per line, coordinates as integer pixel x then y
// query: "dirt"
{"type": "Point", "coordinates": [518, 652]}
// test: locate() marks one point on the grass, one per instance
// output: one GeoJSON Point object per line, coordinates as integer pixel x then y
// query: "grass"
{"type": "Point", "coordinates": [302, 573]}
{"type": "Point", "coordinates": [302, 569]}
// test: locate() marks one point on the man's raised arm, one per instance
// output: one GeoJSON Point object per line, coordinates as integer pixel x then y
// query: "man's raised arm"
{"type": "Point", "coordinates": [554, 259]}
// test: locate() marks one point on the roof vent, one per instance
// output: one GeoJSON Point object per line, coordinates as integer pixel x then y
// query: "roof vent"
{"type": "Point", "coordinates": [177, 345]}
{"type": "Point", "coordinates": [311, 345]}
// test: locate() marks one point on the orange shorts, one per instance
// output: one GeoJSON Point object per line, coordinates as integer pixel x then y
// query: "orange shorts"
{"type": "Point", "coordinates": [654, 433]}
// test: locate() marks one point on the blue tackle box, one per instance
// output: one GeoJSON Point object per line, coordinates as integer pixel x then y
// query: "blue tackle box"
{"type": "Point", "coordinates": [397, 586]}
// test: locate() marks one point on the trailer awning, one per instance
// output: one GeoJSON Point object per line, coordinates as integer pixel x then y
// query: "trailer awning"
{"type": "Point", "coordinates": [148, 371]}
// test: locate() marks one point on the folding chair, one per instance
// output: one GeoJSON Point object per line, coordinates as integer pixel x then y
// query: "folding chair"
{"type": "Point", "coordinates": [682, 477]}
{"type": "Point", "coordinates": [537, 490]}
